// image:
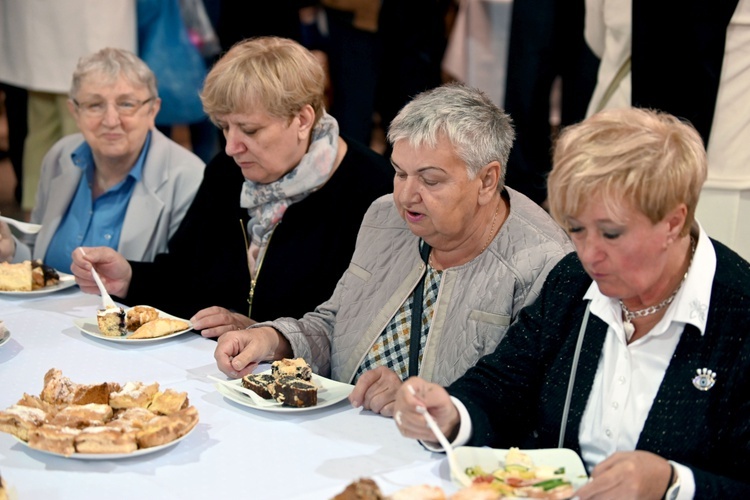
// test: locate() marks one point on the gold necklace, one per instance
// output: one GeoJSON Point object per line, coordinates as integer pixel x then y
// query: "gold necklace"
{"type": "Point", "coordinates": [486, 243]}
{"type": "Point", "coordinates": [492, 228]}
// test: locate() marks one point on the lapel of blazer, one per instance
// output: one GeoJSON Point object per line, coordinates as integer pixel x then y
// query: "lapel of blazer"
{"type": "Point", "coordinates": [145, 210]}
{"type": "Point", "coordinates": [62, 189]}
{"type": "Point", "coordinates": [588, 362]}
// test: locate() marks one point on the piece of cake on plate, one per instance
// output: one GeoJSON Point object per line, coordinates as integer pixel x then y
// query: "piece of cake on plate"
{"type": "Point", "coordinates": [54, 438]}
{"type": "Point", "coordinates": [259, 383]}
{"type": "Point", "coordinates": [134, 395]}
{"type": "Point", "coordinates": [102, 439]}
{"type": "Point", "coordinates": [20, 420]}
{"type": "Point", "coordinates": [15, 277]}
{"type": "Point", "coordinates": [111, 321]}
{"type": "Point", "coordinates": [297, 367]}
{"type": "Point", "coordinates": [138, 316]}
{"type": "Point", "coordinates": [291, 391]}
{"type": "Point", "coordinates": [61, 390]}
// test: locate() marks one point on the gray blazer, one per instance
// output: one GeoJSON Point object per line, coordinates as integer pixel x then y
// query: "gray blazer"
{"type": "Point", "coordinates": [477, 301]}
{"type": "Point", "coordinates": [171, 176]}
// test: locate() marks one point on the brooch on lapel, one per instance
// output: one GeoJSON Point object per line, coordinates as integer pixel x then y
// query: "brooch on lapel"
{"type": "Point", "coordinates": [705, 379]}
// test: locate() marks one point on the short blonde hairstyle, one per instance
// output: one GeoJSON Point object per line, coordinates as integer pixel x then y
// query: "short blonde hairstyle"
{"type": "Point", "coordinates": [649, 159]}
{"type": "Point", "coordinates": [274, 73]}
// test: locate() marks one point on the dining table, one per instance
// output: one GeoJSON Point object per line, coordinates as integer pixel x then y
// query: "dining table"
{"type": "Point", "coordinates": [235, 451]}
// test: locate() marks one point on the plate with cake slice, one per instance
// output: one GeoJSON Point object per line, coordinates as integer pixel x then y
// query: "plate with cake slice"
{"type": "Point", "coordinates": [133, 325]}
{"type": "Point", "coordinates": [288, 387]}
{"type": "Point", "coordinates": [32, 278]}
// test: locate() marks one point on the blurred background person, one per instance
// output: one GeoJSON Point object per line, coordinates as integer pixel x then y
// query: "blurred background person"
{"type": "Point", "coordinates": [441, 268]}
{"type": "Point", "coordinates": [175, 56]}
{"type": "Point", "coordinates": [119, 183]}
{"type": "Point", "coordinates": [550, 76]}
{"type": "Point", "coordinates": [40, 44]}
{"type": "Point", "coordinates": [634, 355]}
{"type": "Point", "coordinates": [274, 223]}
{"type": "Point", "coordinates": [691, 60]}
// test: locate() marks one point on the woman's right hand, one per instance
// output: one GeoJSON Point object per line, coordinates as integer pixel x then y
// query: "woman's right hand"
{"type": "Point", "coordinates": [7, 243]}
{"type": "Point", "coordinates": [113, 269]}
{"type": "Point", "coordinates": [418, 392]}
{"type": "Point", "coordinates": [239, 352]}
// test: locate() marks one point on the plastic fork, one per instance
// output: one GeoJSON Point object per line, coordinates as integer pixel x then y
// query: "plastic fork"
{"type": "Point", "coordinates": [456, 470]}
{"type": "Point", "coordinates": [24, 227]}
{"type": "Point", "coordinates": [107, 302]}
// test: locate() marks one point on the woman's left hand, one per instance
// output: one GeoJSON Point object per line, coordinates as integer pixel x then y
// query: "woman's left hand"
{"type": "Point", "coordinates": [216, 321]}
{"type": "Point", "coordinates": [628, 474]}
{"type": "Point", "coordinates": [376, 391]}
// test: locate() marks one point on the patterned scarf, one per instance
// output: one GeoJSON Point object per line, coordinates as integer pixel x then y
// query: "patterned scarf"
{"type": "Point", "coordinates": [266, 203]}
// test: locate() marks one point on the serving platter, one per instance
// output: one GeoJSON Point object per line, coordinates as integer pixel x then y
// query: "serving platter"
{"type": "Point", "coordinates": [109, 456]}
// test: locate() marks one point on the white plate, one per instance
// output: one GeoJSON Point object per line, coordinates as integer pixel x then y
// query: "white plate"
{"type": "Point", "coordinates": [329, 392]}
{"type": "Point", "coordinates": [109, 456]}
{"type": "Point", "coordinates": [490, 459]}
{"type": "Point", "coordinates": [90, 327]}
{"type": "Point", "coordinates": [66, 281]}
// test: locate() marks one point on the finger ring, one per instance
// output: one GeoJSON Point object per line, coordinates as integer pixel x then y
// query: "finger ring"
{"type": "Point", "coordinates": [397, 417]}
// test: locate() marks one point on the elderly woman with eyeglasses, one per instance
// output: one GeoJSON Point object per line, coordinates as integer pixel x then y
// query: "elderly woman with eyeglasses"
{"type": "Point", "coordinates": [120, 183]}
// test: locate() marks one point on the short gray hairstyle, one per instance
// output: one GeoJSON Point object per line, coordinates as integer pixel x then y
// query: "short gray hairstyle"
{"type": "Point", "coordinates": [478, 129]}
{"type": "Point", "coordinates": [112, 63]}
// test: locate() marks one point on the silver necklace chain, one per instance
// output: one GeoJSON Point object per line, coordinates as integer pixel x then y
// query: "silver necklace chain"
{"type": "Point", "coordinates": [629, 315]}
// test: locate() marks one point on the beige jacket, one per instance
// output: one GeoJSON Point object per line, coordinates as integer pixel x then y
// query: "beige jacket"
{"type": "Point", "coordinates": [476, 303]}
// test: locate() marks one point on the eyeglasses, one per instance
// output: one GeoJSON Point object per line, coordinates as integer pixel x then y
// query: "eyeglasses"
{"type": "Point", "coordinates": [96, 109]}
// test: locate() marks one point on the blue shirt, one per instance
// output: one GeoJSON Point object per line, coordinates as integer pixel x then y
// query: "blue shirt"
{"type": "Point", "coordinates": [89, 222]}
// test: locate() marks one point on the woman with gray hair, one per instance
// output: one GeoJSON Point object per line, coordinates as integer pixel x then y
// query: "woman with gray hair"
{"type": "Point", "coordinates": [120, 183]}
{"type": "Point", "coordinates": [441, 268]}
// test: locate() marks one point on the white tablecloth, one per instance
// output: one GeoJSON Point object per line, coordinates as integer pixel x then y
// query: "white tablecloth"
{"type": "Point", "coordinates": [234, 452]}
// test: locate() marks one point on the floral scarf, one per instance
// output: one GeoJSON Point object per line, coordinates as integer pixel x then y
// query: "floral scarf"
{"type": "Point", "coordinates": [267, 203]}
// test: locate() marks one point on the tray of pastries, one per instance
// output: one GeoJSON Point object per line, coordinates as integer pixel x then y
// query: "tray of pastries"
{"type": "Point", "coordinates": [99, 421]}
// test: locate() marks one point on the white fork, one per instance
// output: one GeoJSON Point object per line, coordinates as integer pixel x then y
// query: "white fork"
{"type": "Point", "coordinates": [24, 227]}
{"type": "Point", "coordinates": [456, 469]}
{"type": "Point", "coordinates": [107, 301]}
